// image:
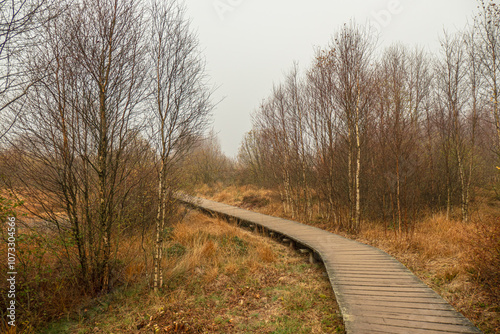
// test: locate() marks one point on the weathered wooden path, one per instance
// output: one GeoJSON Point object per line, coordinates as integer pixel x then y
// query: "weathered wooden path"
{"type": "Point", "coordinates": [375, 292]}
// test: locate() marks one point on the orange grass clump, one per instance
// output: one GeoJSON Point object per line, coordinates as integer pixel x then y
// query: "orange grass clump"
{"type": "Point", "coordinates": [211, 246]}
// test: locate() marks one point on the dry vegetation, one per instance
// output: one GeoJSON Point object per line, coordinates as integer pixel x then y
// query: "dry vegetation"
{"type": "Point", "coordinates": [47, 288]}
{"type": "Point", "coordinates": [460, 261]}
{"type": "Point", "coordinates": [218, 279]}
{"type": "Point", "coordinates": [359, 137]}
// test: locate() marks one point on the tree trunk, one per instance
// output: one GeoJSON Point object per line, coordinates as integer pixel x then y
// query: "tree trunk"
{"type": "Point", "coordinates": [398, 194]}
{"type": "Point", "coordinates": [358, 162]}
{"type": "Point", "coordinates": [350, 182]}
{"type": "Point", "coordinates": [158, 243]}
{"type": "Point", "coordinates": [102, 176]}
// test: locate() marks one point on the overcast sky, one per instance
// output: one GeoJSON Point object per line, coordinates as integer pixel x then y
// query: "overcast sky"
{"type": "Point", "coordinates": [250, 44]}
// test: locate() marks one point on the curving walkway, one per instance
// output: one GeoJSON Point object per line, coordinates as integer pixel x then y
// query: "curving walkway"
{"type": "Point", "coordinates": [375, 292]}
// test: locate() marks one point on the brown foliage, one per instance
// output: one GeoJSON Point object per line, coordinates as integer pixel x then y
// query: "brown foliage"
{"type": "Point", "coordinates": [484, 258]}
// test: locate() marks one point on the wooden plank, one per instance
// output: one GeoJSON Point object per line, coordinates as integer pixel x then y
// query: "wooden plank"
{"type": "Point", "coordinates": [362, 327]}
{"type": "Point", "coordinates": [390, 312]}
{"type": "Point", "coordinates": [387, 289]}
{"type": "Point", "coordinates": [416, 324]}
{"type": "Point", "coordinates": [371, 275]}
{"type": "Point", "coordinates": [363, 303]}
{"type": "Point", "coordinates": [398, 299]}
{"type": "Point", "coordinates": [374, 281]}
{"type": "Point", "coordinates": [431, 318]}
{"type": "Point", "coordinates": [379, 293]}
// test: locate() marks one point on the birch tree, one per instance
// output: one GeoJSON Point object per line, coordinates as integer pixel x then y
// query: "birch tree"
{"type": "Point", "coordinates": [458, 84]}
{"type": "Point", "coordinates": [180, 105]}
{"type": "Point", "coordinates": [352, 49]}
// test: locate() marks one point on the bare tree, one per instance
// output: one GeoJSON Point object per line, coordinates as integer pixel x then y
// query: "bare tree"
{"type": "Point", "coordinates": [79, 123]}
{"type": "Point", "coordinates": [488, 32]}
{"type": "Point", "coordinates": [291, 119]}
{"type": "Point", "coordinates": [297, 108]}
{"type": "Point", "coordinates": [251, 158]}
{"type": "Point", "coordinates": [107, 42]}
{"type": "Point", "coordinates": [457, 107]}
{"type": "Point", "coordinates": [475, 105]}
{"type": "Point", "coordinates": [273, 122]}
{"type": "Point", "coordinates": [180, 104]}
{"type": "Point", "coordinates": [352, 50]}
{"type": "Point", "coordinates": [403, 85]}
{"type": "Point", "coordinates": [323, 125]}
{"type": "Point", "coordinates": [281, 124]}
{"type": "Point", "coordinates": [17, 20]}
{"type": "Point", "coordinates": [207, 164]}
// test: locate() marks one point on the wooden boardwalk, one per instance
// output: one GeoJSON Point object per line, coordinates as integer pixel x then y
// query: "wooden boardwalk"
{"type": "Point", "coordinates": [375, 292]}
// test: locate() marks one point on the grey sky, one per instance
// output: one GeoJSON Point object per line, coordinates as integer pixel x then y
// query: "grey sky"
{"type": "Point", "coordinates": [250, 44]}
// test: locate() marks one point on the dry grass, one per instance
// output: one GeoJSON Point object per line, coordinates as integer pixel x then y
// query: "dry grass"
{"type": "Point", "coordinates": [248, 196]}
{"type": "Point", "coordinates": [46, 285]}
{"type": "Point", "coordinates": [44, 289]}
{"type": "Point", "coordinates": [219, 279]}
{"type": "Point", "coordinates": [208, 245]}
{"type": "Point", "coordinates": [459, 261]}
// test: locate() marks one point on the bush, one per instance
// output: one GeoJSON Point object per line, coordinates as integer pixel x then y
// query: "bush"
{"type": "Point", "coordinates": [177, 250]}
{"type": "Point", "coordinates": [254, 201]}
{"type": "Point", "coordinates": [484, 259]}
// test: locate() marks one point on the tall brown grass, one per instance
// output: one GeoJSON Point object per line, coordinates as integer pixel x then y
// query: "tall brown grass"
{"type": "Point", "coordinates": [46, 284]}
{"type": "Point", "coordinates": [210, 246]}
